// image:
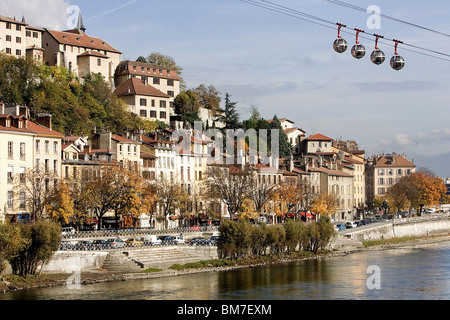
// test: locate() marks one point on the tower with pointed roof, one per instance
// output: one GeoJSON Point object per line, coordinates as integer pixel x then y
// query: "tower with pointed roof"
{"type": "Point", "coordinates": [80, 24]}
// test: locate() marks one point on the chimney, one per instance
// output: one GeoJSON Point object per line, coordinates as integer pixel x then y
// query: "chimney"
{"type": "Point", "coordinates": [2, 108]}
{"type": "Point", "coordinates": [44, 119]}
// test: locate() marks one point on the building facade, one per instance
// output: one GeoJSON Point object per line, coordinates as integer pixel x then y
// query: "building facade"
{"type": "Point", "coordinates": [148, 90]}
{"type": "Point", "coordinates": [383, 171]}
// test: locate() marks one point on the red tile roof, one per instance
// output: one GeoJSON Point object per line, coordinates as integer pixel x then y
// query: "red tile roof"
{"type": "Point", "coordinates": [80, 39]}
{"type": "Point", "coordinates": [319, 137]}
{"type": "Point", "coordinates": [123, 139]}
{"type": "Point", "coordinates": [93, 53]}
{"type": "Point", "coordinates": [145, 69]}
{"type": "Point", "coordinates": [135, 86]}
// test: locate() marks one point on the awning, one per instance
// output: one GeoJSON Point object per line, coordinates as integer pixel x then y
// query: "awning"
{"type": "Point", "coordinates": [307, 214]}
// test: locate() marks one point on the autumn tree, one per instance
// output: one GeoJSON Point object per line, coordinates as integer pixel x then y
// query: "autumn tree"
{"type": "Point", "coordinates": [35, 188]}
{"type": "Point", "coordinates": [172, 197]}
{"type": "Point", "coordinates": [209, 98]}
{"type": "Point", "coordinates": [417, 190]}
{"type": "Point", "coordinates": [324, 205]}
{"type": "Point", "coordinates": [11, 242]}
{"type": "Point", "coordinates": [41, 240]}
{"type": "Point", "coordinates": [229, 184]}
{"type": "Point", "coordinates": [60, 205]}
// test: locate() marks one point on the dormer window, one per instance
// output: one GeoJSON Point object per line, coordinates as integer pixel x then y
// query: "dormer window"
{"type": "Point", "coordinates": [8, 123]}
{"type": "Point", "coordinates": [20, 124]}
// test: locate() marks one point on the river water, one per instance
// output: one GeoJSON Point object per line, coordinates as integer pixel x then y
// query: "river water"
{"type": "Point", "coordinates": [419, 272]}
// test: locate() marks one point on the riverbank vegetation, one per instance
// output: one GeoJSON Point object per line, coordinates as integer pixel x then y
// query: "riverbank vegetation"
{"type": "Point", "coordinates": [240, 240]}
{"type": "Point", "coordinates": [28, 246]}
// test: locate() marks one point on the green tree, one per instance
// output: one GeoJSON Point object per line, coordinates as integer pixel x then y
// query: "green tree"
{"type": "Point", "coordinates": [167, 62]}
{"type": "Point", "coordinates": [284, 144]}
{"type": "Point", "coordinates": [10, 243]}
{"type": "Point", "coordinates": [230, 116]}
{"type": "Point", "coordinates": [209, 98]}
{"type": "Point", "coordinates": [42, 240]}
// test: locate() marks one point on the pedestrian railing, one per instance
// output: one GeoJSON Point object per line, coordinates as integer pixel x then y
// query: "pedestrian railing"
{"type": "Point", "coordinates": [134, 232]}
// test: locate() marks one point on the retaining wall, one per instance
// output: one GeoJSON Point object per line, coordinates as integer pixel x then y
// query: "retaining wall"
{"type": "Point", "coordinates": [413, 227]}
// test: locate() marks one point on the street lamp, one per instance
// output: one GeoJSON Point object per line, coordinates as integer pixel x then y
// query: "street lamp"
{"type": "Point", "coordinates": [385, 205]}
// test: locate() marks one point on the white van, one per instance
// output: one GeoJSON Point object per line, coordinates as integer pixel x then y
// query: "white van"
{"type": "Point", "coordinates": [68, 231]}
{"type": "Point", "coordinates": [351, 224]}
{"type": "Point", "coordinates": [151, 239]}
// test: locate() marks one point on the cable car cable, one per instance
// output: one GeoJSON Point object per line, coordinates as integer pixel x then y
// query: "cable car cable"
{"type": "Point", "coordinates": [300, 15]}
{"type": "Point", "coordinates": [348, 5]}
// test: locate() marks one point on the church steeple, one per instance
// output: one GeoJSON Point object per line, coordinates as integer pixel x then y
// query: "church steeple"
{"type": "Point", "coordinates": [80, 25]}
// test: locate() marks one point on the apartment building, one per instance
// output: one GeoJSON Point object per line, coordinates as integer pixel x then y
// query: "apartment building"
{"type": "Point", "coordinates": [118, 148]}
{"type": "Point", "coordinates": [383, 171]}
{"type": "Point", "coordinates": [17, 38]}
{"type": "Point", "coordinates": [80, 53]}
{"type": "Point", "coordinates": [340, 185]}
{"type": "Point", "coordinates": [24, 145]}
{"type": "Point", "coordinates": [148, 90]}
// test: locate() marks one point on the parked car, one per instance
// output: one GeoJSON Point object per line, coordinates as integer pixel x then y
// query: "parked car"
{"type": "Point", "coordinates": [68, 231]}
{"type": "Point", "coordinates": [83, 245]}
{"type": "Point", "coordinates": [359, 223]}
{"type": "Point", "coordinates": [351, 224]}
{"type": "Point", "coordinates": [214, 240]}
{"type": "Point", "coordinates": [167, 239]}
{"type": "Point", "coordinates": [340, 226]}
{"type": "Point", "coordinates": [66, 245]}
{"type": "Point", "coordinates": [116, 243]}
{"type": "Point", "coordinates": [151, 240]}
{"type": "Point", "coordinates": [100, 244]}
{"type": "Point", "coordinates": [134, 242]}
{"type": "Point", "coordinates": [199, 242]}
{"type": "Point", "coordinates": [179, 240]}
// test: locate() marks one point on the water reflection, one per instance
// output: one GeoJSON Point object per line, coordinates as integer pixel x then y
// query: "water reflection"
{"type": "Point", "coordinates": [414, 273]}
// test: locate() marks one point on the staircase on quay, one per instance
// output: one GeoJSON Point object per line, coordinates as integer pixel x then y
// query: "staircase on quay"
{"type": "Point", "coordinates": [137, 260]}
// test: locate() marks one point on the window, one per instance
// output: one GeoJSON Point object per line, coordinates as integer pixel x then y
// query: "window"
{"type": "Point", "coordinates": [163, 115]}
{"type": "Point", "coordinates": [152, 114]}
{"type": "Point", "coordinates": [22, 151]}
{"type": "Point", "coordinates": [22, 202]}
{"type": "Point", "coordinates": [390, 172]}
{"type": "Point", "coordinates": [47, 147]}
{"type": "Point", "coordinates": [162, 104]}
{"type": "Point", "coordinates": [8, 38]}
{"type": "Point", "coordinates": [399, 172]}
{"type": "Point", "coordinates": [381, 172]}
{"type": "Point", "coordinates": [35, 35]}
{"type": "Point", "coordinates": [55, 166]}
{"type": "Point", "coordinates": [170, 93]}
{"type": "Point", "coordinates": [46, 165]}
{"type": "Point", "coordinates": [38, 146]}
{"type": "Point", "coordinates": [10, 174]}
{"type": "Point", "coordinates": [18, 40]}
{"type": "Point", "coordinates": [381, 181]}
{"type": "Point", "coordinates": [37, 164]}
{"type": "Point", "coordinates": [99, 62]}
{"type": "Point", "coordinates": [156, 81]}
{"type": "Point", "coordinates": [8, 25]}
{"type": "Point", "coordinates": [143, 113]}
{"type": "Point", "coordinates": [18, 52]}
{"type": "Point", "coordinates": [18, 27]}
{"type": "Point", "coordinates": [22, 175]}
{"type": "Point", "coordinates": [55, 147]}
{"type": "Point", "coordinates": [143, 102]}
{"type": "Point", "coordinates": [8, 50]}
{"type": "Point", "coordinates": [170, 82]}
{"type": "Point", "coordinates": [10, 150]}
{"type": "Point", "coordinates": [10, 200]}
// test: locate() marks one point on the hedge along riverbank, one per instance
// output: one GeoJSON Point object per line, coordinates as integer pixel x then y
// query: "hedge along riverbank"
{"type": "Point", "coordinates": [245, 240]}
